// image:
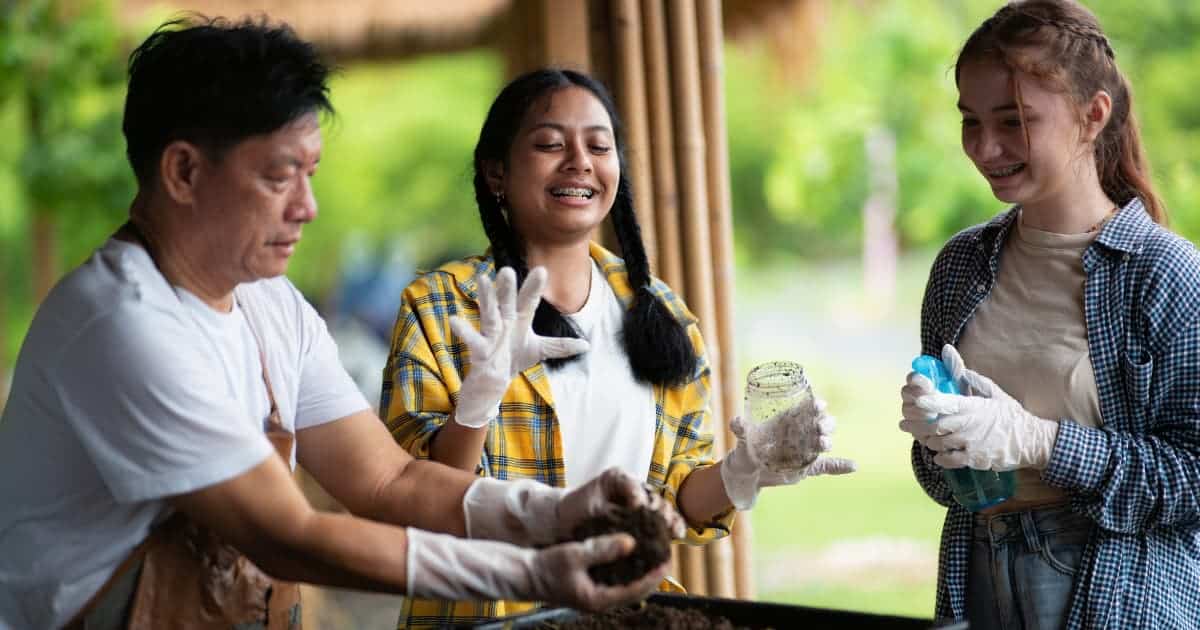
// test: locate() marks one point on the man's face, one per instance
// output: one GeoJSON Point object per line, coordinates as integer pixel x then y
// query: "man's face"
{"type": "Point", "coordinates": [251, 205]}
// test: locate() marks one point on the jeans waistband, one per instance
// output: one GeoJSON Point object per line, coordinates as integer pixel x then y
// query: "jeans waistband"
{"type": "Point", "coordinates": [1000, 528]}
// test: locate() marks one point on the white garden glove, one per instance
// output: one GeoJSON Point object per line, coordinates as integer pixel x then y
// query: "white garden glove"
{"type": "Point", "coordinates": [917, 421]}
{"type": "Point", "coordinates": [987, 430]}
{"type": "Point", "coordinates": [792, 442]}
{"type": "Point", "coordinates": [445, 567]}
{"type": "Point", "coordinates": [528, 513]}
{"type": "Point", "coordinates": [505, 343]}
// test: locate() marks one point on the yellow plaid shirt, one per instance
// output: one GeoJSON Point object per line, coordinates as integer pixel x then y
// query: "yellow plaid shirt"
{"type": "Point", "coordinates": [424, 373]}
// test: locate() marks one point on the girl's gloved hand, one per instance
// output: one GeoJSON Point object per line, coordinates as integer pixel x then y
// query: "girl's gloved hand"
{"type": "Point", "coordinates": [987, 430]}
{"type": "Point", "coordinates": [792, 442]}
{"type": "Point", "coordinates": [917, 421]}
{"type": "Point", "coordinates": [505, 343]}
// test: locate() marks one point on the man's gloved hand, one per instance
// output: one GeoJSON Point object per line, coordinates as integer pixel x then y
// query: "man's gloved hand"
{"type": "Point", "coordinates": [505, 343]}
{"type": "Point", "coordinates": [609, 489]}
{"type": "Point", "coordinates": [528, 513]}
{"type": "Point", "coordinates": [791, 442]}
{"type": "Point", "coordinates": [445, 567]}
{"type": "Point", "coordinates": [987, 430]}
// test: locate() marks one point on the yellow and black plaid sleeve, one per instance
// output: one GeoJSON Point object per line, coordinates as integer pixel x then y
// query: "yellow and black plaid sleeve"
{"type": "Point", "coordinates": [422, 374]}
{"type": "Point", "coordinates": [687, 415]}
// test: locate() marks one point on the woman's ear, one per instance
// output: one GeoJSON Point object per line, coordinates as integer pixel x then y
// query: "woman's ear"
{"type": "Point", "coordinates": [494, 170]}
{"type": "Point", "coordinates": [1096, 114]}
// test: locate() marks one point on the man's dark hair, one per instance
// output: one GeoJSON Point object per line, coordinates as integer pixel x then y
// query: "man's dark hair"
{"type": "Point", "coordinates": [214, 83]}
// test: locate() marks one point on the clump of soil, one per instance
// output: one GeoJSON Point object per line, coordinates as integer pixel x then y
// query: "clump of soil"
{"type": "Point", "coordinates": [647, 528]}
{"type": "Point", "coordinates": [648, 616]}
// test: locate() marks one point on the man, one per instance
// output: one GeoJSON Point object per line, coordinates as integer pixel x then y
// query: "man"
{"type": "Point", "coordinates": [167, 386]}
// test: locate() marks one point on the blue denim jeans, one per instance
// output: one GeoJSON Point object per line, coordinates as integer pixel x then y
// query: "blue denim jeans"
{"type": "Point", "coordinates": [1023, 567]}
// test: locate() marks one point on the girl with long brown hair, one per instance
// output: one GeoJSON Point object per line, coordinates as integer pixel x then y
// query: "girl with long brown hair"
{"type": "Point", "coordinates": [1076, 311]}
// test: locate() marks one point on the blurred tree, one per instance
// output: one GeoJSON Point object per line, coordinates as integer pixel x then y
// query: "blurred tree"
{"type": "Point", "coordinates": [799, 168]}
{"type": "Point", "coordinates": [1157, 46]}
{"type": "Point", "coordinates": [60, 81]}
{"type": "Point", "coordinates": [396, 166]}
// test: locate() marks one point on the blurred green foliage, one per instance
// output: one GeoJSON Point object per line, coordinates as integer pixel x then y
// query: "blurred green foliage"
{"type": "Point", "coordinates": [61, 96]}
{"type": "Point", "coordinates": [396, 166]}
{"type": "Point", "coordinates": [797, 154]}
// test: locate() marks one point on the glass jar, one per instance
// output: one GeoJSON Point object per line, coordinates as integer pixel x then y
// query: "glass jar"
{"type": "Point", "coordinates": [779, 443]}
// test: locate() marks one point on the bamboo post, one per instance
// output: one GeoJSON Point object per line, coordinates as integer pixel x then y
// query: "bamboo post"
{"type": "Point", "coordinates": [601, 41]}
{"type": "Point", "coordinates": [564, 32]}
{"type": "Point", "coordinates": [521, 37]}
{"type": "Point", "coordinates": [666, 209]}
{"type": "Point", "coordinates": [630, 85]}
{"type": "Point", "coordinates": [691, 151]}
{"type": "Point", "coordinates": [712, 72]}
{"type": "Point", "coordinates": [662, 154]}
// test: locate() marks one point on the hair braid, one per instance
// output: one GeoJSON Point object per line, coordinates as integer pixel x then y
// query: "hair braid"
{"type": "Point", "coordinates": [657, 345]}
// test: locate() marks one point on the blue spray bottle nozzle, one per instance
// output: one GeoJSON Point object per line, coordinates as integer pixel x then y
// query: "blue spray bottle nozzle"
{"type": "Point", "coordinates": [933, 369]}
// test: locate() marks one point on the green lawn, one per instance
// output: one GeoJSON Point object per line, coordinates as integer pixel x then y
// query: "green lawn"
{"type": "Point", "coordinates": [867, 541]}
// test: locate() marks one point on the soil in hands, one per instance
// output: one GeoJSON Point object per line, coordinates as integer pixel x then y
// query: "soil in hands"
{"type": "Point", "coordinates": [647, 617]}
{"type": "Point", "coordinates": [647, 528]}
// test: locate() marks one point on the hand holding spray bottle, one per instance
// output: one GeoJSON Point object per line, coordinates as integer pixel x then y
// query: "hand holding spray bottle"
{"type": "Point", "coordinates": [973, 489]}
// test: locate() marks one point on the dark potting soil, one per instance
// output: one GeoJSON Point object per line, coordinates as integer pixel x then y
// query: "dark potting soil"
{"type": "Point", "coordinates": [647, 616]}
{"type": "Point", "coordinates": [647, 528]}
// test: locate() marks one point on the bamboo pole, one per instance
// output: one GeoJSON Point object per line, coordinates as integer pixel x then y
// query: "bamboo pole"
{"type": "Point", "coordinates": [523, 49]}
{"type": "Point", "coordinates": [712, 73]}
{"type": "Point", "coordinates": [662, 153]}
{"type": "Point", "coordinates": [691, 150]}
{"type": "Point", "coordinates": [630, 85]}
{"type": "Point", "coordinates": [601, 41]}
{"type": "Point", "coordinates": [692, 568]}
{"type": "Point", "coordinates": [564, 32]}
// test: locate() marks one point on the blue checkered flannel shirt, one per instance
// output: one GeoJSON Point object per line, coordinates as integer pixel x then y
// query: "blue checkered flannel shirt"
{"type": "Point", "coordinates": [1137, 476]}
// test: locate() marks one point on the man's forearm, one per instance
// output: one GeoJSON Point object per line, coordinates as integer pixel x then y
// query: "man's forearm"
{"type": "Point", "coordinates": [358, 462]}
{"type": "Point", "coordinates": [426, 495]}
{"type": "Point", "coordinates": [338, 550]}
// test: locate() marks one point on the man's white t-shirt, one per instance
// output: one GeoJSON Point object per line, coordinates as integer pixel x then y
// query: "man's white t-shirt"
{"type": "Point", "coordinates": [127, 391]}
{"type": "Point", "coordinates": [606, 418]}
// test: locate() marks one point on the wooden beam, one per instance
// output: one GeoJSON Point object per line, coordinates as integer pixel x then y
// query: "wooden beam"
{"type": "Point", "coordinates": [720, 218]}
{"type": "Point", "coordinates": [565, 33]}
{"type": "Point", "coordinates": [691, 149]}
{"type": "Point", "coordinates": [629, 85]}
{"type": "Point", "coordinates": [662, 150]}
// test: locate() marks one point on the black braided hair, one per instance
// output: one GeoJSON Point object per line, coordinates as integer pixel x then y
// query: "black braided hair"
{"type": "Point", "coordinates": [654, 340]}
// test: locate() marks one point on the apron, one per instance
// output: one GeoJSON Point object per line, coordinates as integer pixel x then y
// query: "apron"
{"type": "Point", "coordinates": [184, 577]}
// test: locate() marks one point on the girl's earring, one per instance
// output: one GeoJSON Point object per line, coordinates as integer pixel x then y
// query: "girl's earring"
{"type": "Point", "coordinates": [500, 203]}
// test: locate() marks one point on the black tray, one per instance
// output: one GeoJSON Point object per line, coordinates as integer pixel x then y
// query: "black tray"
{"type": "Point", "coordinates": [740, 612]}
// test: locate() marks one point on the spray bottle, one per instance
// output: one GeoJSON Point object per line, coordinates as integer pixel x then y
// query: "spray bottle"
{"type": "Point", "coordinates": [973, 489]}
